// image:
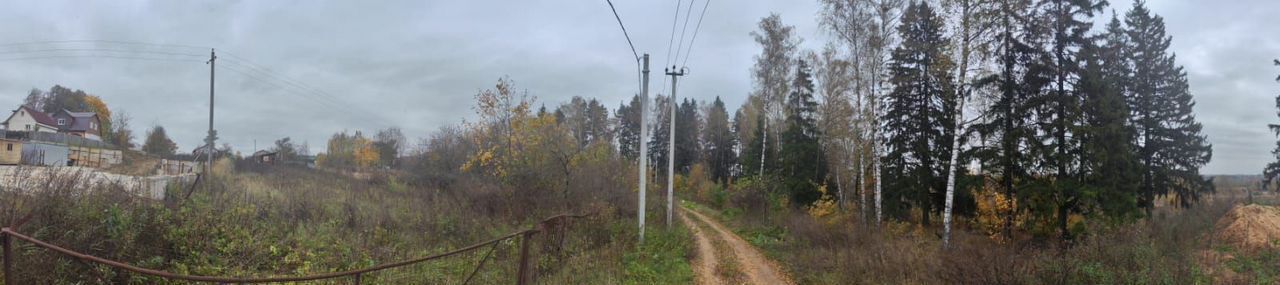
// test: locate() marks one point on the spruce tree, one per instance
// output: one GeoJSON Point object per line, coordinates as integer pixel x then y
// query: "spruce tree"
{"type": "Point", "coordinates": [918, 115]}
{"type": "Point", "coordinates": [803, 162]}
{"type": "Point", "coordinates": [1111, 171]}
{"type": "Point", "coordinates": [688, 142]}
{"type": "Point", "coordinates": [628, 128]}
{"type": "Point", "coordinates": [1058, 105]}
{"type": "Point", "coordinates": [1169, 144]}
{"type": "Point", "coordinates": [658, 141]}
{"type": "Point", "coordinates": [718, 142]}
{"type": "Point", "coordinates": [1008, 116]}
{"type": "Point", "coordinates": [1273, 168]}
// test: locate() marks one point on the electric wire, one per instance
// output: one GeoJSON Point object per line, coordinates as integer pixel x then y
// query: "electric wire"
{"type": "Point", "coordinates": [624, 30]}
{"type": "Point", "coordinates": [670, 42]}
{"type": "Point", "coordinates": [38, 50]}
{"type": "Point", "coordinates": [696, 28]}
{"type": "Point", "coordinates": [299, 89]}
{"type": "Point", "coordinates": [688, 13]}
{"type": "Point", "coordinates": [317, 93]}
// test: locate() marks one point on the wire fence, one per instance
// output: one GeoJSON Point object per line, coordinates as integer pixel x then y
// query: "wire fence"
{"type": "Point", "coordinates": [523, 247]}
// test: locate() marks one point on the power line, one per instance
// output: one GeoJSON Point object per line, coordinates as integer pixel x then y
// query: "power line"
{"type": "Point", "coordinates": [298, 89]}
{"type": "Point", "coordinates": [98, 56]}
{"type": "Point", "coordinates": [291, 91]}
{"type": "Point", "coordinates": [319, 94]}
{"type": "Point", "coordinates": [624, 31]}
{"type": "Point", "coordinates": [670, 40]}
{"type": "Point", "coordinates": [104, 41]}
{"type": "Point", "coordinates": [680, 45]}
{"type": "Point", "coordinates": [639, 77]}
{"type": "Point", "coordinates": [270, 73]}
{"type": "Point", "coordinates": [695, 32]}
{"type": "Point", "coordinates": [97, 49]}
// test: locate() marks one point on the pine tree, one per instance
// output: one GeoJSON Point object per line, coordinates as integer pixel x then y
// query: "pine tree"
{"type": "Point", "coordinates": [1170, 145]}
{"type": "Point", "coordinates": [918, 111]}
{"type": "Point", "coordinates": [803, 162]}
{"type": "Point", "coordinates": [718, 142]}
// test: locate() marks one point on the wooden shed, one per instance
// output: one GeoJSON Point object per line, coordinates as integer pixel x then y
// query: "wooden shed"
{"type": "Point", "coordinates": [264, 157]}
{"type": "Point", "coordinates": [10, 152]}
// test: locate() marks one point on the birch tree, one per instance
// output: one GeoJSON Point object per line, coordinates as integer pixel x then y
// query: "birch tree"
{"type": "Point", "coordinates": [866, 28]}
{"type": "Point", "coordinates": [971, 23]}
{"type": "Point", "coordinates": [773, 66]}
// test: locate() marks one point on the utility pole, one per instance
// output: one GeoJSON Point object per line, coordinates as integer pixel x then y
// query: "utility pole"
{"type": "Point", "coordinates": [671, 144]}
{"type": "Point", "coordinates": [644, 133]}
{"type": "Point", "coordinates": [213, 135]}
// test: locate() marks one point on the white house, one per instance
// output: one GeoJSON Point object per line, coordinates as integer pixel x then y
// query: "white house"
{"type": "Point", "coordinates": [27, 119]}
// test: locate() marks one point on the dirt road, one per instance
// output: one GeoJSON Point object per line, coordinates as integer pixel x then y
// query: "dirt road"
{"type": "Point", "coordinates": [705, 262]}
{"type": "Point", "coordinates": [753, 265]}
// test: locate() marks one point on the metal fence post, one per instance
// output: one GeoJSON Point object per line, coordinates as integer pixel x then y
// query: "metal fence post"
{"type": "Point", "coordinates": [8, 257]}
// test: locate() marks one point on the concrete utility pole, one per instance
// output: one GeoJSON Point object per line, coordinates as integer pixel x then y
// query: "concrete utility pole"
{"type": "Point", "coordinates": [671, 144]}
{"type": "Point", "coordinates": [644, 133]}
{"type": "Point", "coordinates": [213, 135]}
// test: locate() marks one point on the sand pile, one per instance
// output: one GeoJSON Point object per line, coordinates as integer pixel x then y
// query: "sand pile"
{"type": "Point", "coordinates": [1250, 227]}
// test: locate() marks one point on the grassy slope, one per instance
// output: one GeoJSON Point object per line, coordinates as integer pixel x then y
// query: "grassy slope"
{"type": "Point", "coordinates": [296, 222]}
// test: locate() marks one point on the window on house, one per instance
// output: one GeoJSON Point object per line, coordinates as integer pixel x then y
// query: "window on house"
{"type": "Point", "coordinates": [28, 127]}
{"type": "Point", "coordinates": [62, 122]}
{"type": "Point", "coordinates": [9, 147]}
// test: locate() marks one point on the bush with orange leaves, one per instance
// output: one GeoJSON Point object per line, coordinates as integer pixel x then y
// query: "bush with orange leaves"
{"type": "Point", "coordinates": [992, 210]}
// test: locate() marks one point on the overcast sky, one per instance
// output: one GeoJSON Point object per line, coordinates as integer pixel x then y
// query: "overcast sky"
{"type": "Point", "coordinates": [365, 65]}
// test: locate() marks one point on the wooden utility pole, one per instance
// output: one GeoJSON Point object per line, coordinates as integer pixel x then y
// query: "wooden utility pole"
{"type": "Point", "coordinates": [644, 133]}
{"type": "Point", "coordinates": [671, 144]}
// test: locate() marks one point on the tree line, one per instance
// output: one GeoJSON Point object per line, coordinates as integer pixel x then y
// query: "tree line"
{"type": "Point", "coordinates": [916, 106]}
{"type": "Point", "coordinates": [914, 109]}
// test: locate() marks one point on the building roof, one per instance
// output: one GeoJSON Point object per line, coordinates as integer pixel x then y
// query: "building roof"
{"type": "Point", "coordinates": [79, 120]}
{"type": "Point", "coordinates": [263, 153]}
{"type": "Point", "coordinates": [40, 117]}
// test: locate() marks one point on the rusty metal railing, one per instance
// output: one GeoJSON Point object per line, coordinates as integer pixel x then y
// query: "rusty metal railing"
{"type": "Point", "coordinates": [525, 275]}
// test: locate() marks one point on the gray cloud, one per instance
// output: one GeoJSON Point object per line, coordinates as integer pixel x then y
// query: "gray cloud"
{"type": "Point", "coordinates": [417, 64]}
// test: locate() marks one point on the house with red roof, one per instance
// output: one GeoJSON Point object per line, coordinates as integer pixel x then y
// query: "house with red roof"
{"type": "Point", "coordinates": [30, 120]}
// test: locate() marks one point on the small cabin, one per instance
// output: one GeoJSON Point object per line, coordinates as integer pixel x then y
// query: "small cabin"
{"type": "Point", "coordinates": [265, 157]}
{"type": "Point", "coordinates": [10, 152]}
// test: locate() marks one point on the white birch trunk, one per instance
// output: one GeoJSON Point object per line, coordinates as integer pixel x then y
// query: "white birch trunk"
{"type": "Point", "coordinates": [951, 175]}
{"type": "Point", "coordinates": [764, 143]}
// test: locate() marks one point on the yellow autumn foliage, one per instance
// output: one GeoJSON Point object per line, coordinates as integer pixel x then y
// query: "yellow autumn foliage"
{"type": "Point", "coordinates": [825, 208]}
{"type": "Point", "coordinates": [98, 106]}
{"type": "Point", "coordinates": [992, 208]}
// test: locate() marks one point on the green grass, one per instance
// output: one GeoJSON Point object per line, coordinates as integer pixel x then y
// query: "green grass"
{"type": "Point", "coordinates": [663, 258]}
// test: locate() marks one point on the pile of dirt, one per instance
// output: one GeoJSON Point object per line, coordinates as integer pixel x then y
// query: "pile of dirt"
{"type": "Point", "coordinates": [1250, 227]}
